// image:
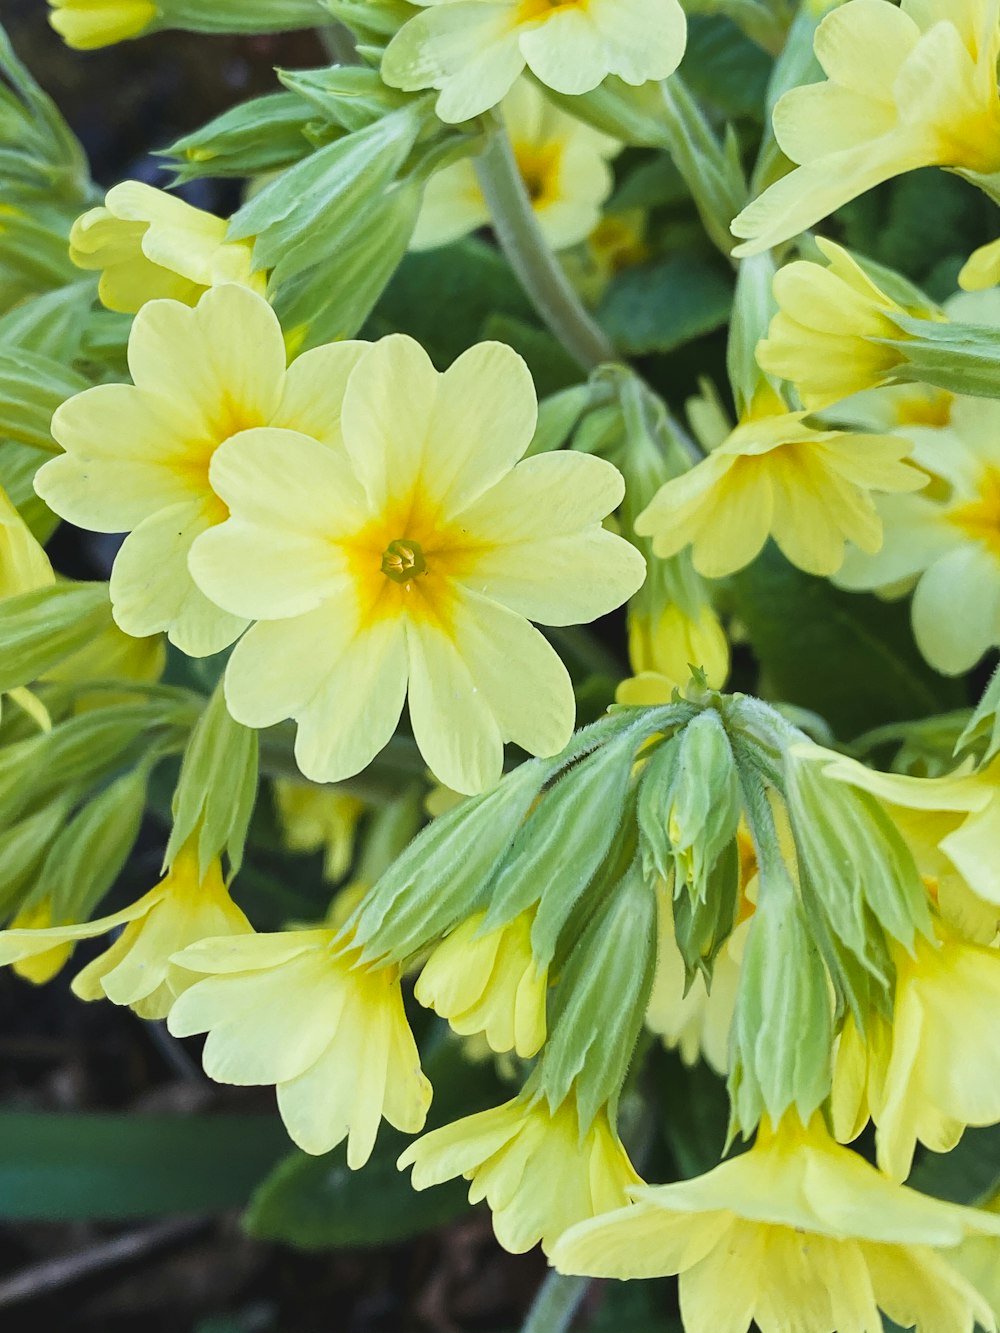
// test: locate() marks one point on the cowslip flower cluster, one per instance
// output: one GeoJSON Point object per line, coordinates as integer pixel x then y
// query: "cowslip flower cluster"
{"type": "Point", "coordinates": [393, 550]}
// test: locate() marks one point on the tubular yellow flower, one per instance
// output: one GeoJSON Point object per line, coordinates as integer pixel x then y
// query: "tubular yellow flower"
{"type": "Point", "coordinates": [981, 269]}
{"type": "Point", "coordinates": [909, 87]}
{"type": "Point", "coordinates": [149, 244]}
{"type": "Point", "coordinates": [945, 543]}
{"type": "Point", "coordinates": [38, 968]}
{"type": "Point", "coordinates": [564, 165]}
{"type": "Point", "coordinates": [136, 970]}
{"type": "Point", "coordinates": [472, 52]}
{"type": "Point", "coordinates": [315, 818]}
{"type": "Point", "coordinates": [412, 559]}
{"type": "Point", "coordinates": [88, 24]}
{"type": "Point", "coordinates": [824, 338]}
{"type": "Point", "coordinates": [796, 1233]}
{"type": "Point", "coordinates": [489, 982]}
{"type": "Point", "coordinates": [775, 476]}
{"type": "Point", "coordinates": [295, 1010]}
{"type": "Point", "coordinates": [24, 565]}
{"type": "Point", "coordinates": [137, 455]}
{"type": "Point", "coordinates": [662, 651]}
{"type": "Point", "coordinates": [535, 1167]}
{"type": "Point", "coordinates": [936, 1068]}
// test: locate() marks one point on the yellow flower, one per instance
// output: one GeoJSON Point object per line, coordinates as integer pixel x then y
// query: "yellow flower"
{"type": "Point", "coordinates": [825, 336]}
{"type": "Point", "coordinates": [798, 1233]}
{"type": "Point", "coordinates": [562, 161]}
{"type": "Point", "coordinates": [137, 455]}
{"type": "Point", "coordinates": [294, 1009]}
{"type": "Point", "coordinates": [981, 269]}
{"type": "Point", "coordinates": [775, 476]}
{"type": "Point", "coordinates": [909, 87]}
{"type": "Point", "coordinates": [24, 565]}
{"type": "Point", "coordinates": [87, 24]}
{"type": "Point", "coordinates": [412, 559]}
{"type": "Point", "coordinates": [945, 543]}
{"type": "Point", "coordinates": [537, 1168]}
{"type": "Point", "coordinates": [472, 52]}
{"type": "Point", "coordinates": [315, 818]}
{"type": "Point", "coordinates": [38, 968]}
{"type": "Point", "coordinates": [952, 826]}
{"type": "Point", "coordinates": [936, 1068]}
{"type": "Point", "coordinates": [136, 970]}
{"type": "Point", "coordinates": [489, 982]}
{"type": "Point", "coordinates": [663, 649]}
{"type": "Point", "coordinates": [149, 244]}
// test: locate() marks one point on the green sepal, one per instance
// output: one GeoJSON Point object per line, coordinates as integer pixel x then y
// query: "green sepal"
{"type": "Point", "coordinates": [563, 842]}
{"type": "Point", "coordinates": [984, 724]}
{"type": "Point", "coordinates": [23, 846]}
{"type": "Point", "coordinates": [655, 790]}
{"type": "Point", "coordinates": [862, 869]}
{"type": "Point", "coordinates": [261, 135]}
{"type": "Point", "coordinates": [311, 209]}
{"type": "Point", "coordinates": [702, 925]}
{"type": "Point", "coordinates": [239, 16]}
{"type": "Point", "coordinates": [88, 855]}
{"type": "Point", "coordinates": [962, 358]}
{"type": "Point", "coordinates": [351, 96]}
{"type": "Point", "coordinates": [440, 877]}
{"type": "Point", "coordinates": [217, 788]}
{"type": "Point", "coordinates": [558, 417]}
{"type": "Point", "coordinates": [782, 1029]}
{"type": "Point", "coordinates": [38, 629]}
{"type": "Point", "coordinates": [32, 386]}
{"type": "Point", "coordinates": [86, 749]}
{"type": "Point", "coordinates": [705, 805]}
{"type": "Point", "coordinates": [753, 308]}
{"type": "Point", "coordinates": [373, 22]}
{"type": "Point", "coordinates": [332, 300]}
{"type": "Point", "coordinates": [600, 1000]}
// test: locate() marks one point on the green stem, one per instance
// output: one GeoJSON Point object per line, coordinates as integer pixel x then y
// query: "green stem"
{"type": "Point", "coordinates": [556, 1304]}
{"type": "Point", "coordinates": [531, 258]}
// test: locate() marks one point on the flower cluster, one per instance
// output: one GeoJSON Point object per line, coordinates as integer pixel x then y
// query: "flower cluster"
{"type": "Point", "coordinates": [395, 509]}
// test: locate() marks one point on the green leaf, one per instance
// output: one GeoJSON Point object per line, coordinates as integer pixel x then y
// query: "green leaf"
{"type": "Point", "coordinates": [444, 298]}
{"type": "Point", "coordinates": [725, 68]}
{"type": "Point", "coordinates": [56, 1167]}
{"type": "Point", "coordinates": [970, 1173]}
{"type": "Point", "coordinates": [660, 306]}
{"type": "Point", "coordinates": [635, 1307]}
{"type": "Point", "coordinates": [319, 1203]}
{"type": "Point", "coordinates": [847, 656]}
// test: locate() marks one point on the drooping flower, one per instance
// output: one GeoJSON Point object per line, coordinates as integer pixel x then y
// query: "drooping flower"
{"type": "Point", "coordinates": [319, 819]}
{"type": "Point", "coordinates": [24, 565]}
{"type": "Point", "coordinates": [473, 52]}
{"type": "Point", "coordinates": [136, 970]}
{"type": "Point", "coordinates": [826, 335]}
{"type": "Point", "coordinates": [411, 560]}
{"type": "Point", "coordinates": [935, 1069]}
{"type": "Point", "coordinates": [294, 1009]}
{"type": "Point", "coordinates": [982, 268]}
{"type": "Point", "coordinates": [775, 476]}
{"type": "Point", "coordinates": [137, 455]}
{"type": "Point", "coordinates": [562, 161]}
{"type": "Point", "coordinates": [148, 244]}
{"type": "Point", "coordinates": [945, 542]}
{"type": "Point", "coordinates": [796, 1233]}
{"type": "Point", "coordinates": [907, 87]}
{"type": "Point", "coordinates": [536, 1167]}
{"type": "Point", "coordinates": [663, 648]}
{"type": "Point", "coordinates": [88, 24]}
{"type": "Point", "coordinates": [489, 982]}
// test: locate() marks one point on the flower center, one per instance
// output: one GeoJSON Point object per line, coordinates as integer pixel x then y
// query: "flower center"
{"type": "Point", "coordinates": [980, 518]}
{"type": "Point", "coordinates": [528, 10]}
{"type": "Point", "coordinates": [403, 560]}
